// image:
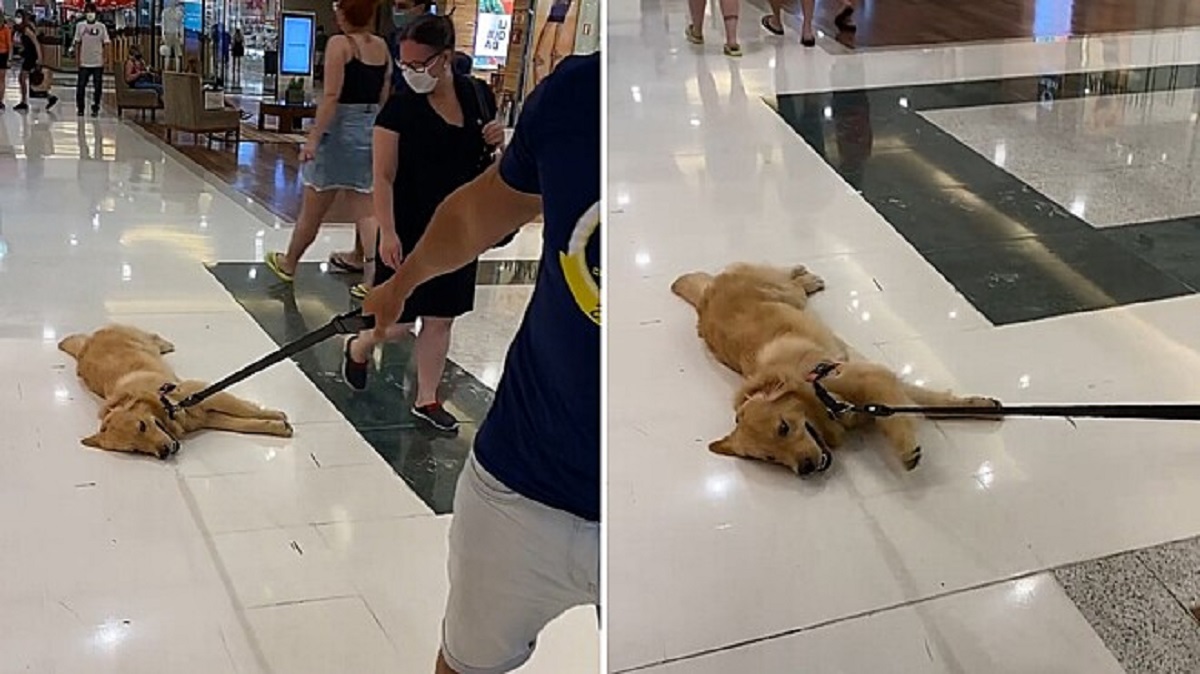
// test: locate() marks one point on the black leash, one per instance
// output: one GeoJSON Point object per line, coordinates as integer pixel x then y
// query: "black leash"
{"type": "Point", "coordinates": [1155, 411]}
{"type": "Point", "coordinates": [344, 324]}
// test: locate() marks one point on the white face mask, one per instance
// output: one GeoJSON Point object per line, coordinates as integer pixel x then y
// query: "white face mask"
{"type": "Point", "coordinates": [91, 18]}
{"type": "Point", "coordinates": [422, 83]}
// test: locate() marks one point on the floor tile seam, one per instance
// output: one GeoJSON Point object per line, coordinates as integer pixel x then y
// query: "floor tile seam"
{"type": "Point", "coordinates": [1048, 570]}
{"type": "Point", "coordinates": [300, 602]}
{"type": "Point", "coordinates": [326, 523]}
{"type": "Point", "coordinates": [223, 574]}
{"type": "Point", "coordinates": [257, 210]}
{"type": "Point", "coordinates": [1194, 621]}
{"type": "Point", "coordinates": [1057, 70]}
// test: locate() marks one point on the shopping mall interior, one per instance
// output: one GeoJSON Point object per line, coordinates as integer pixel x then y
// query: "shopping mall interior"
{"type": "Point", "coordinates": [323, 552]}
{"type": "Point", "coordinates": [1002, 199]}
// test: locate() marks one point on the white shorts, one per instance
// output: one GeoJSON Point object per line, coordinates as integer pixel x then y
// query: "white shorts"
{"type": "Point", "coordinates": [515, 565]}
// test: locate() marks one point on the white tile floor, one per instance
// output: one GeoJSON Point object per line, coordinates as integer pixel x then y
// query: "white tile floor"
{"type": "Point", "coordinates": [865, 569]}
{"type": "Point", "coordinates": [244, 554]}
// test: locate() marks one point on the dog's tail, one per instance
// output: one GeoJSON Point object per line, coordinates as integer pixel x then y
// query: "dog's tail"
{"type": "Point", "coordinates": [73, 344]}
{"type": "Point", "coordinates": [691, 287]}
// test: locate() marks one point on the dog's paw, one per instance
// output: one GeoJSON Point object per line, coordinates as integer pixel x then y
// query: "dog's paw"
{"type": "Point", "coordinates": [912, 458]}
{"type": "Point", "coordinates": [282, 428]}
{"type": "Point", "coordinates": [799, 271]}
{"type": "Point", "coordinates": [275, 415]}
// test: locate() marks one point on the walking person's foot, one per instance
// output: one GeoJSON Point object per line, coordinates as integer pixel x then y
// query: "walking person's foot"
{"type": "Point", "coordinates": [21, 107]}
{"type": "Point", "coordinates": [772, 25]}
{"type": "Point", "coordinates": [53, 101]}
{"type": "Point", "coordinates": [354, 372]}
{"type": "Point", "coordinates": [436, 416]}
{"type": "Point", "coordinates": [95, 111]}
{"type": "Point", "coordinates": [845, 20]}
{"type": "Point", "coordinates": [274, 261]}
{"type": "Point", "coordinates": [733, 50]}
{"type": "Point", "coordinates": [693, 35]}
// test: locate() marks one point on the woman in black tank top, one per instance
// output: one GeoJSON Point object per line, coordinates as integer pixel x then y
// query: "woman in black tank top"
{"type": "Point", "coordinates": [337, 155]}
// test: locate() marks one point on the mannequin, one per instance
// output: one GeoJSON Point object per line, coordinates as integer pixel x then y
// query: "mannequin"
{"type": "Point", "coordinates": [172, 36]}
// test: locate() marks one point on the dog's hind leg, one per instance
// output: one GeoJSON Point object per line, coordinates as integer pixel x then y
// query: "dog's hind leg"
{"type": "Point", "coordinates": [73, 344]}
{"type": "Point", "coordinates": [929, 398]}
{"type": "Point", "coordinates": [691, 287]}
{"type": "Point", "coordinates": [224, 422]}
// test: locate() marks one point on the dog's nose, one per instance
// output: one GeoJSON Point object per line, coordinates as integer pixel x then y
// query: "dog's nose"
{"type": "Point", "coordinates": [806, 467]}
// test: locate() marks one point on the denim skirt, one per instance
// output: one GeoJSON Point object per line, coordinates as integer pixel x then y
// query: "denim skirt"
{"type": "Point", "coordinates": [343, 157]}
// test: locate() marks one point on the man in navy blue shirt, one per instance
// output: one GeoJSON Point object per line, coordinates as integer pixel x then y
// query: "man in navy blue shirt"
{"type": "Point", "coordinates": [525, 540]}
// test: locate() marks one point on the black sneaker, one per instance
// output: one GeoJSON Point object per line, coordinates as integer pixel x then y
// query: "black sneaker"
{"type": "Point", "coordinates": [95, 111]}
{"type": "Point", "coordinates": [354, 373]}
{"type": "Point", "coordinates": [2, 107]}
{"type": "Point", "coordinates": [435, 415]}
{"type": "Point", "coordinates": [21, 107]}
{"type": "Point", "coordinates": [79, 112]}
{"type": "Point", "coordinates": [51, 102]}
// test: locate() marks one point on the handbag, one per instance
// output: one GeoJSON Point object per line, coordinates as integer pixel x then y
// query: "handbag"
{"type": "Point", "coordinates": [489, 156]}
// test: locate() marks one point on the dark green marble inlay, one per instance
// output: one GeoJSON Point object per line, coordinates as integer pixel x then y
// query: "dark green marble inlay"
{"type": "Point", "coordinates": [1013, 252]}
{"type": "Point", "coordinates": [427, 460]}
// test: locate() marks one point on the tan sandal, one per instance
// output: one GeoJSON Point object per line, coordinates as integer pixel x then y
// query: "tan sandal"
{"type": "Point", "coordinates": [272, 260]}
{"type": "Point", "coordinates": [694, 36]}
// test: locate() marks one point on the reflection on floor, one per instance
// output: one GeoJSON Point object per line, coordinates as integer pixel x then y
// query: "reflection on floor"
{"type": "Point", "coordinates": [1018, 254]}
{"type": "Point", "coordinates": [428, 461]}
{"type": "Point", "coordinates": [885, 23]}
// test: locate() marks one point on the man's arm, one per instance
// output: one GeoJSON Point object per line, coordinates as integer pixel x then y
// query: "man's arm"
{"type": "Point", "coordinates": [471, 220]}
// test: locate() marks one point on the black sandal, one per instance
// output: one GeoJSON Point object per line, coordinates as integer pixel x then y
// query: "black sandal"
{"type": "Point", "coordinates": [842, 20]}
{"type": "Point", "coordinates": [766, 23]}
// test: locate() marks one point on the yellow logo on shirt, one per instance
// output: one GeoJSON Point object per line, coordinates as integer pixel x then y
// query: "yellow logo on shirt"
{"type": "Point", "coordinates": [582, 279]}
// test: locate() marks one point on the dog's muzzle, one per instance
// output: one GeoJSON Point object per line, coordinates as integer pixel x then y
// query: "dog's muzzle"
{"type": "Point", "coordinates": [807, 466]}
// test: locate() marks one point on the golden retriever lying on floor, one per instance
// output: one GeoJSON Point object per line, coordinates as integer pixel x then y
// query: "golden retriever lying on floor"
{"type": "Point", "coordinates": [125, 367]}
{"type": "Point", "coordinates": [753, 319]}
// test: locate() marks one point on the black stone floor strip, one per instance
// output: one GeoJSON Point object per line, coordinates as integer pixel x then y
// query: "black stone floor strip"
{"type": "Point", "coordinates": [428, 461]}
{"type": "Point", "coordinates": [1013, 252]}
{"type": "Point", "coordinates": [1170, 245]}
{"type": "Point", "coordinates": [1141, 605]}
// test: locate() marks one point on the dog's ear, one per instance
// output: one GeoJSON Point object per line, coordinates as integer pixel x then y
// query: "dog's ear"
{"type": "Point", "coordinates": [724, 447]}
{"type": "Point", "coordinates": [92, 441]}
{"type": "Point", "coordinates": [118, 399]}
{"type": "Point", "coordinates": [770, 386]}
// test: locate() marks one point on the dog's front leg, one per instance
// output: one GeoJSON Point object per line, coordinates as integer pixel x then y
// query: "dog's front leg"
{"type": "Point", "coordinates": [864, 383]}
{"type": "Point", "coordinates": [224, 422]}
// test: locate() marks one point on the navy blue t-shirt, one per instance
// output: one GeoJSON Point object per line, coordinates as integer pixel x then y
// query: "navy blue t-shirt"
{"type": "Point", "coordinates": [542, 436]}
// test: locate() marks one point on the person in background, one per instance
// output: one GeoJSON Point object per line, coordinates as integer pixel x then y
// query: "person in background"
{"type": "Point", "coordinates": [525, 536]}
{"type": "Point", "coordinates": [430, 140]}
{"type": "Point", "coordinates": [6, 41]}
{"type": "Point", "coordinates": [238, 51]}
{"type": "Point", "coordinates": [773, 22]}
{"type": "Point", "coordinates": [91, 37]}
{"type": "Point", "coordinates": [31, 56]}
{"type": "Point", "coordinates": [41, 81]}
{"type": "Point", "coordinates": [694, 32]}
{"type": "Point", "coordinates": [337, 155]}
{"type": "Point", "coordinates": [319, 45]}
{"type": "Point", "coordinates": [138, 75]}
{"type": "Point", "coordinates": [403, 13]}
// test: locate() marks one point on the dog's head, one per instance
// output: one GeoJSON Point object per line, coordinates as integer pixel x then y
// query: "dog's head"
{"type": "Point", "coordinates": [774, 424]}
{"type": "Point", "coordinates": [136, 423]}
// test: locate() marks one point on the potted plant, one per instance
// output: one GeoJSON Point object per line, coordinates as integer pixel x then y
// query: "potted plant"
{"type": "Point", "coordinates": [294, 94]}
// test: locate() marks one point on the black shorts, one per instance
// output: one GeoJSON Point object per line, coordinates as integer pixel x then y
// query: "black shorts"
{"type": "Point", "coordinates": [29, 65]}
{"type": "Point", "coordinates": [3, 61]}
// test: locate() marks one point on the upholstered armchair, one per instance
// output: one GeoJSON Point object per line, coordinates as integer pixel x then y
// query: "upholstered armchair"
{"type": "Point", "coordinates": [184, 111]}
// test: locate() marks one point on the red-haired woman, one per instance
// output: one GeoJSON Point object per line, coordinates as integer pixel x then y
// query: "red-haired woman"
{"type": "Point", "coordinates": [337, 155]}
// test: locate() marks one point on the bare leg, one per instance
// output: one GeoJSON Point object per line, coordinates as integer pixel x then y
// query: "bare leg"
{"type": "Point", "coordinates": [365, 228]}
{"type": "Point", "coordinates": [696, 14]}
{"type": "Point", "coordinates": [442, 667]}
{"type": "Point", "coordinates": [433, 344]}
{"type": "Point", "coordinates": [364, 343]}
{"type": "Point", "coordinates": [312, 213]}
{"type": "Point", "coordinates": [809, 7]}
{"type": "Point", "coordinates": [729, 14]}
{"type": "Point", "coordinates": [224, 422]}
{"type": "Point", "coordinates": [23, 85]}
{"type": "Point", "coordinates": [3, 84]}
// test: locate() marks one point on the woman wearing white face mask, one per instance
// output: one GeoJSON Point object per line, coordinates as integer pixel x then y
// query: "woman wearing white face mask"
{"type": "Point", "coordinates": [430, 139]}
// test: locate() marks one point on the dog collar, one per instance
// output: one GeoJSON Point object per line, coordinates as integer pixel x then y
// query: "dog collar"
{"type": "Point", "coordinates": [163, 392]}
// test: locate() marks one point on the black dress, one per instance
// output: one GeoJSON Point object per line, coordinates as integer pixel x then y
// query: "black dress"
{"type": "Point", "coordinates": [435, 158]}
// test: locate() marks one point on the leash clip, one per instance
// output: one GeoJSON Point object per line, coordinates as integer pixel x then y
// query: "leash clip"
{"type": "Point", "coordinates": [169, 406]}
{"type": "Point", "coordinates": [834, 407]}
